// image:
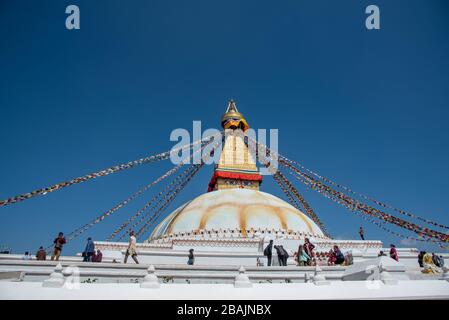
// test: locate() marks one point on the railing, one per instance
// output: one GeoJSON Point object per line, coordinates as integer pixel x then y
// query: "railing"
{"type": "Point", "coordinates": [113, 272]}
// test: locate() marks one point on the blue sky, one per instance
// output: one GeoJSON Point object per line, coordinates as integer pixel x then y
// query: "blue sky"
{"type": "Point", "coordinates": [368, 109]}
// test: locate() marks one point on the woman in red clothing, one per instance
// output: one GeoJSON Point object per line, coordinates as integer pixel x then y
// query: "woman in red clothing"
{"type": "Point", "coordinates": [393, 252]}
{"type": "Point", "coordinates": [332, 258]}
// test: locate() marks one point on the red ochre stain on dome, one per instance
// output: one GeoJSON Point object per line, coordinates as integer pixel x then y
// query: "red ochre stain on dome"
{"type": "Point", "coordinates": [243, 211]}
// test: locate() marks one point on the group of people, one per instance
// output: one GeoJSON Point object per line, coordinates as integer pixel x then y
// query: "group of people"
{"type": "Point", "coordinates": [431, 263]}
{"type": "Point", "coordinates": [41, 254]}
{"type": "Point", "coordinates": [393, 253]}
{"type": "Point", "coordinates": [303, 256]}
{"type": "Point", "coordinates": [89, 254]}
{"type": "Point", "coordinates": [336, 257]}
{"type": "Point", "coordinates": [306, 257]}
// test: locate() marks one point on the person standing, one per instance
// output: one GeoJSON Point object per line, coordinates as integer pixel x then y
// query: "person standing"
{"type": "Point", "coordinates": [285, 256]}
{"type": "Point", "coordinates": [191, 260]}
{"type": "Point", "coordinates": [362, 233]}
{"type": "Point", "coordinates": [393, 252]}
{"type": "Point", "coordinates": [268, 252]}
{"type": "Point", "coordinates": [89, 250]}
{"type": "Point", "coordinates": [41, 254]}
{"type": "Point", "coordinates": [303, 257]}
{"type": "Point", "coordinates": [281, 254]}
{"type": "Point", "coordinates": [131, 251]}
{"type": "Point", "coordinates": [59, 243]}
{"type": "Point", "coordinates": [308, 248]}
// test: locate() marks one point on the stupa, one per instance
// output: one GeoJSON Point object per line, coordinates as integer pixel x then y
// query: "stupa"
{"type": "Point", "coordinates": [228, 227]}
{"type": "Point", "coordinates": [234, 220]}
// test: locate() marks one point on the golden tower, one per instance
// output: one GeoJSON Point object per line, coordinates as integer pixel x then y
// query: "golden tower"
{"type": "Point", "coordinates": [237, 166]}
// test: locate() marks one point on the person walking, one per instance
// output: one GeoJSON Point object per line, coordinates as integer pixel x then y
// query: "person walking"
{"type": "Point", "coordinates": [191, 260]}
{"type": "Point", "coordinates": [59, 243]}
{"type": "Point", "coordinates": [362, 233]}
{"type": "Point", "coordinates": [131, 251]}
{"type": "Point", "coordinates": [41, 254]}
{"type": "Point", "coordinates": [89, 250]}
{"type": "Point", "coordinates": [268, 252]}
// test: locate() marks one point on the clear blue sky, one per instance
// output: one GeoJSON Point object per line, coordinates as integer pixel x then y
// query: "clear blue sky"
{"type": "Point", "coordinates": [369, 109]}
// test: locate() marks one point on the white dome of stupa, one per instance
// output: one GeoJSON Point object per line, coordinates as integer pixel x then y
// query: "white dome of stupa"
{"type": "Point", "coordinates": [238, 210]}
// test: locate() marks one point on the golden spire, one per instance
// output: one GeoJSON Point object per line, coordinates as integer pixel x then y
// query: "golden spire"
{"type": "Point", "coordinates": [237, 167]}
{"type": "Point", "coordinates": [233, 119]}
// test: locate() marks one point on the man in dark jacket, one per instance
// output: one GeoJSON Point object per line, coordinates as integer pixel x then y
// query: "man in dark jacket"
{"type": "Point", "coordinates": [285, 256]}
{"type": "Point", "coordinates": [420, 258]}
{"type": "Point", "coordinates": [268, 252]}
{"type": "Point", "coordinates": [438, 261]}
{"type": "Point", "coordinates": [89, 250]}
{"type": "Point", "coordinates": [281, 255]}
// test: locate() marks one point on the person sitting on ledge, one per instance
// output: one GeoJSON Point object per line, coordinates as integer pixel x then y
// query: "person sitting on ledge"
{"type": "Point", "coordinates": [340, 258]}
{"type": "Point", "coordinates": [27, 256]}
{"type": "Point", "coordinates": [420, 258]}
{"type": "Point", "coordinates": [41, 254]}
{"type": "Point", "coordinates": [332, 258]}
{"type": "Point", "coordinates": [429, 266]}
{"type": "Point", "coordinates": [98, 256]}
{"type": "Point", "coordinates": [393, 252]}
{"type": "Point", "coordinates": [438, 260]}
{"type": "Point", "coordinates": [349, 259]}
{"type": "Point", "coordinates": [381, 254]}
